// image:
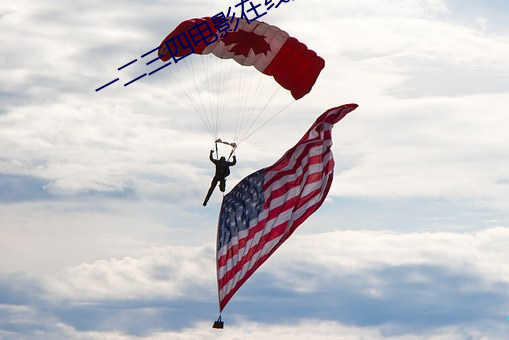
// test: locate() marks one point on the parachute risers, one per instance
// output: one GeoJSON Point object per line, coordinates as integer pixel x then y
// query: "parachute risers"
{"type": "Point", "coordinates": [233, 145]}
{"type": "Point", "coordinates": [218, 324]}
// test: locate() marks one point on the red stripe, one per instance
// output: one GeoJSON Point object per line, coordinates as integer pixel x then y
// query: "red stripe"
{"type": "Point", "coordinates": [297, 182]}
{"type": "Point", "coordinates": [305, 153]}
{"type": "Point", "coordinates": [317, 205]}
{"type": "Point", "coordinates": [298, 163]}
{"type": "Point", "coordinates": [275, 233]}
{"type": "Point", "coordinates": [283, 173]}
{"type": "Point", "coordinates": [303, 200]}
{"type": "Point", "coordinates": [246, 258]}
{"type": "Point", "coordinates": [285, 159]}
{"type": "Point", "coordinates": [242, 242]}
{"type": "Point", "coordinates": [239, 283]}
{"type": "Point", "coordinates": [260, 226]}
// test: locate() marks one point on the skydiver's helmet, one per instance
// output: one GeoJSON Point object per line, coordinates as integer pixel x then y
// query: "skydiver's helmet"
{"type": "Point", "coordinates": [222, 159]}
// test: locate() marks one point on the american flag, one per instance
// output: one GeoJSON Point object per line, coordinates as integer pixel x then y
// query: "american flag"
{"type": "Point", "coordinates": [266, 207]}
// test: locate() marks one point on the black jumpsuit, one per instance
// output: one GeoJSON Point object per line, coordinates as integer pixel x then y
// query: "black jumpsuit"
{"type": "Point", "coordinates": [222, 171]}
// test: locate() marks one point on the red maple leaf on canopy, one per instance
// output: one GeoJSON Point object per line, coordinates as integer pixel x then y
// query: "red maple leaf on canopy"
{"type": "Point", "coordinates": [246, 41]}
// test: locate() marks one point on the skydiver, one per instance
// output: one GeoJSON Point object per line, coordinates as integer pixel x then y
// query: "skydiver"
{"type": "Point", "coordinates": [222, 171]}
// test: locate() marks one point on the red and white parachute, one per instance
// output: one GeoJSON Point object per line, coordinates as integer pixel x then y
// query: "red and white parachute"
{"type": "Point", "coordinates": [238, 98]}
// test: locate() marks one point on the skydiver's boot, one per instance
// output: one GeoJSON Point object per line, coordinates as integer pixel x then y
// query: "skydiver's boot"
{"type": "Point", "coordinates": [209, 193]}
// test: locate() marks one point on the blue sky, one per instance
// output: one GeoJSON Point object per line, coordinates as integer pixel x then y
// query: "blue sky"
{"type": "Point", "coordinates": [102, 232]}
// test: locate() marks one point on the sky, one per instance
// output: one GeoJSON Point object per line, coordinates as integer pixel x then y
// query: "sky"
{"type": "Point", "coordinates": [102, 231]}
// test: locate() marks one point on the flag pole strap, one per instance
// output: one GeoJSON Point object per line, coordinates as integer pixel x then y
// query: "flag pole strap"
{"type": "Point", "coordinates": [219, 323]}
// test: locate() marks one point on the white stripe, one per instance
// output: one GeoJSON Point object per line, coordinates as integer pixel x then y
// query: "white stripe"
{"type": "Point", "coordinates": [247, 266]}
{"type": "Point", "coordinates": [291, 166]}
{"type": "Point", "coordinates": [234, 240]}
{"type": "Point", "coordinates": [324, 144]}
{"type": "Point", "coordinates": [315, 168]}
{"type": "Point", "coordinates": [242, 252]}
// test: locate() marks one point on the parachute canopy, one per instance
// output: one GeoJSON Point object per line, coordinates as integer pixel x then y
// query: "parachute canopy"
{"type": "Point", "coordinates": [268, 48]}
{"type": "Point", "coordinates": [233, 102]}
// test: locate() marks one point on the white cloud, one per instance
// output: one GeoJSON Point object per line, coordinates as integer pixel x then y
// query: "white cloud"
{"type": "Point", "coordinates": [445, 147]}
{"type": "Point", "coordinates": [339, 253]}
{"type": "Point", "coordinates": [307, 263]}
{"type": "Point", "coordinates": [162, 273]}
{"type": "Point", "coordinates": [307, 329]}
{"type": "Point", "coordinates": [44, 237]}
{"type": "Point", "coordinates": [437, 274]}
{"type": "Point", "coordinates": [317, 329]}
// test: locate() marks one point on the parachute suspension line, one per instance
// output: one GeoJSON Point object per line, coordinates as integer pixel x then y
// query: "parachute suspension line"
{"type": "Point", "coordinates": [216, 76]}
{"type": "Point", "coordinates": [249, 114]}
{"type": "Point", "coordinates": [190, 70]}
{"type": "Point", "coordinates": [260, 112]}
{"type": "Point", "coordinates": [212, 86]}
{"type": "Point", "coordinates": [193, 97]}
{"type": "Point", "coordinates": [252, 96]}
{"type": "Point", "coordinates": [191, 101]}
{"type": "Point", "coordinates": [245, 93]}
{"type": "Point", "coordinates": [205, 66]}
{"type": "Point", "coordinates": [224, 68]}
{"type": "Point", "coordinates": [245, 110]}
{"type": "Point", "coordinates": [268, 121]}
{"type": "Point", "coordinates": [248, 103]}
{"type": "Point", "coordinates": [249, 130]}
{"type": "Point", "coordinates": [207, 118]}
{"type": "Point", "coordinates": [239, 102]}
{"type": "Point", "coordinates": [234, 147]}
